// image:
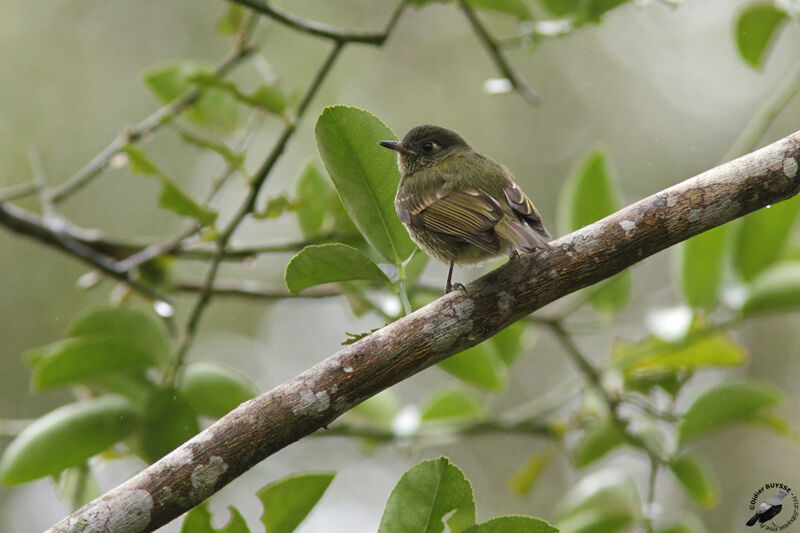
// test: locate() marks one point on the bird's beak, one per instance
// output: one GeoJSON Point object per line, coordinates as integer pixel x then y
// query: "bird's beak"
{"type": "Point", "coordinates": [397, 147]}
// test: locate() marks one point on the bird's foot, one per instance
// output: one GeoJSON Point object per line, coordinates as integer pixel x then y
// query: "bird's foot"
{"type": "Point", "coordinates": [454, 286]}
{"type": "Point", "coordinates": [513, 254]}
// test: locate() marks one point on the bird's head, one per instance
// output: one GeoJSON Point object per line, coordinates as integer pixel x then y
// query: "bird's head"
{"type": "Point", "coordinates": [424, 146]}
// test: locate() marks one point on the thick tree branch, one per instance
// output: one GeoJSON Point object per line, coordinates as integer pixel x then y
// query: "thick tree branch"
{"type": "Point", "coordinates": [312, 400]}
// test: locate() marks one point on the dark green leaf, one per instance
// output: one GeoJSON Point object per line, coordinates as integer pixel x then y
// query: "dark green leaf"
{"type": "Point", "coordinates": [213, 389]}
{"type": "Point", "coordinates": [561, 8]}
{"type": "Point", "coordinates": [424, 495]}
{"type": "Point", "coordinates": [525, 479]}
{"type": "Point", "coordinates": [598, 440]}
{"type": "Point", "coordinates": [479, 366]}
{"type": "Point", "coordinates": [515, 8]}
{"type": "Point", "coordinates": [777, 289]}
{"type": "Point", "coordinates": [288, 501]}
{"type": "Point", "coordinates": [365, 175]}
{"type": "Point", "coordinates": [762, 237]}
{"type": "Point", "coordinates": [725, 405]}
{"type": "Point", "coordinates": [452, 405]}
{"type": "Point", "coordinates": [81, 359]}
{"type": "Point", "coordinates": [755, 31]}
{"type": "Point", "coordinates": [326, 263]}
{"type": "Point", "coordinates": [591, 193]}
{"type": "Point", "coordinates": [198, 520]}
{"type": "Point", "coordinates": [702, 263]}
{"type": "Point", "coordinates": [513, 524]}
{"type": "Point", "coordinates": [66, 437]}
{"type": "Point", "coordinates": [168, 422]}
{"type": "Point", "coordinates": [140, 328]}
{"type": "Point", "coordinates": [696, 480]}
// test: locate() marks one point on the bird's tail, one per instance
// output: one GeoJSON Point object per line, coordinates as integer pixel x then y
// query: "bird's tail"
{"type": "Point", "coordinates": [521, 236]}
{"type": "Point", "coordinates": [753, 520]}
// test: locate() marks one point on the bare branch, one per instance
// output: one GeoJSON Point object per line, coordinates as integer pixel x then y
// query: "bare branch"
{"type": "Point", "coordinates": [312, 400]}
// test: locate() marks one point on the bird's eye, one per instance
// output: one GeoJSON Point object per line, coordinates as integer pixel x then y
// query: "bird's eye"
{"type": "Point", "coordinates": [428, 147]}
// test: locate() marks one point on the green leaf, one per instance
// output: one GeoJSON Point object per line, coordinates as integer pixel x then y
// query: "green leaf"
{"type": "Point", "coordinates": [172, 197]}
{"type": "Point", "coordinates": [230, 22]}
{"type": "Point", "coordinates": [169, 421]}
{"type": "Point", "coordinates": [213, 389]}
{"type": "Point", "coordinates": [77, 486]}
{"type": "Point", "coordinates": [233, 160]}
{"type": "Point", "coordinates": [524, 480]}
{"type": "Point", "coordinates": [605, 501]}
{"type": "Point", "coordinates": [478, 365]}
{"type": "Point", "coordinates": [755, 31]}
{"type": "Point", "coordinates": [561, 8]}
{"type": "Point", "coordinates": [725, 405]}
{"type": "Point", "coordinates": [696, 480]}
{"type": "Point", "coordinates": [379, 409]}
{"type": "Point", "coordinates": [598, 440]}
{"type": "Point", "coordinates": [762, 237]}
{"type": "Point", "coordinates": [775, 290]}
{"type": "Point", "coordinates": [508, 342]}
{"type": "Point", "coordinates": [215, 107]}
{"type": "Point", "coordinates": [314, 198]}
{"type": "Point", "coordinates": [270, 98]}
{"type": "Point", "coordinates": [424, 495]}
{"type": "Point", "coordinates": [288, 501]}
{"type": "Point", "coordinates": [326, 263]}
{"type": "Point", "coordinates": [66, 437]}
{"type": "Point", "coordinates": [139, 328]}
{"type": "Point", "coordinates": [702, 265]}
{"type": "Point", "coordinates": [81, 359]}
{"type": "Point", "coordinates": [515, 8]}
{"type": "Point", "coordinates": [452, 405]}
{"type": "Point", "coordinates": [365, 175]}
{"type": "Point", "coordinates": [513, 524]}
{"type": "Point", "coordinates": [589, 194]}
{"type": "Point", "coordinates": [198, 520]}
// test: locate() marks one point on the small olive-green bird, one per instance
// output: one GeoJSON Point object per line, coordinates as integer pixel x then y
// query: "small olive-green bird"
{"type": "Point", "coordinates": [459, 206]}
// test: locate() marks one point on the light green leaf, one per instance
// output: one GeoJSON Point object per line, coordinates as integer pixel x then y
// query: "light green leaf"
{"type": "Point", "coordinates": [762, 237]}
{"type": "Point", "coordinates": [605, 501]}
{"type": "Point", "coordinates": [515, 8]}
{"type": "Point", "coordinates": [701, 266]}
{"type": "Point", "coordinates": [725, 405]}
{"type": "Point", "coordinates": [508, 342]}
{"type": "Point", "coordinates": [589, 194]}
{"type": "Point", "coordinates": [525, 479]}
{"type": "Point", "coordinates": [314, 196]}
{"type": "Point", "coordinates": [289, 500]}
{"type": "Point", "coordinates": [81, 359]}
{"type": "Point", "coordinates": [213, 389]}
{"type": "Point", "coordinates": [326, 263]}
{"type": "Point", "coordinates": [230, 22]}
{"type": "Point", "coordinates": [598, 440]}
{"type": "Point", "coordinates": [478, 365]}
{"type": "Point", "coordinates": [655, 355]}
{"type": "Point", "coordinates": [233, 160]}
{"type": "Point", "coordinates": [424, 495]}
{"type": "Point", "coordinates": [696, 480]}
{"type": "Point", "coordinates": [270, 98]}
{"type": "Point", "coordinates": [198, 520]}
{"type": "Point", "coordinates": [171, 197]}
{"type": "Point", "coordinates": [168, 422]}
{"type": "Point", "coordinates": [140, 328]}
{"type": "Point", "coordinates": [365, 175]}
{"type": "Point", "coordinates": [452, 405]}
{"type": "Point", "coordinates": [513, 524]}
{"type": "Point", "coordinates": [77, 486]}
{"type": "Point", "coordinates": [66, 437]}
{"type": "Point", "coordinates": [775, 290]}
{"type": "Point", "coordinates": [215, 107]}
{"type": "Point", "coordinates": [756, 28]}
{"type": "Point", "coordinates": [379, 409]}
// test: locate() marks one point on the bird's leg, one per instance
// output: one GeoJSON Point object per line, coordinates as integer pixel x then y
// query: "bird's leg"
{"type": "Point", "coordinates": [450, 286]}
{"type": "Point", "coordinates": [513, 254]}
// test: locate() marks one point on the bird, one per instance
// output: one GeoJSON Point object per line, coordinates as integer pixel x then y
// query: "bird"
{"type": "Point", "coordinates": [769, 508]}
{"type": "Point", "coordinates": [459, 206]}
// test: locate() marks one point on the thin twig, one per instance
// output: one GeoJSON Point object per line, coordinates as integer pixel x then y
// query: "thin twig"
{"type": "Point", "coordinates": [323, 30]}
{"type": "Point", "coordinates": [253, 289]}
{"type": "Point", "coordinates": [519, 84]}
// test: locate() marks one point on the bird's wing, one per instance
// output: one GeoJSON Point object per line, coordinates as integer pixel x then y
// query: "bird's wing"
{"type": "Point", "coordinates": [764, 507]}
{"type": "Point", "coordinates": [468, 214]}
{"type": "Point", "coordinates": [522, 205]}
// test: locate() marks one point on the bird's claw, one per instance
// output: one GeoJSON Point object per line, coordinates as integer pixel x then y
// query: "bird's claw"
{"type": "Point", "coordinates": [454, 286]}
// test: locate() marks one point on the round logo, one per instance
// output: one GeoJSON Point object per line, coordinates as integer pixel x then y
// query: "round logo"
{"type": "Point", "coordinates": [774, 506]}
